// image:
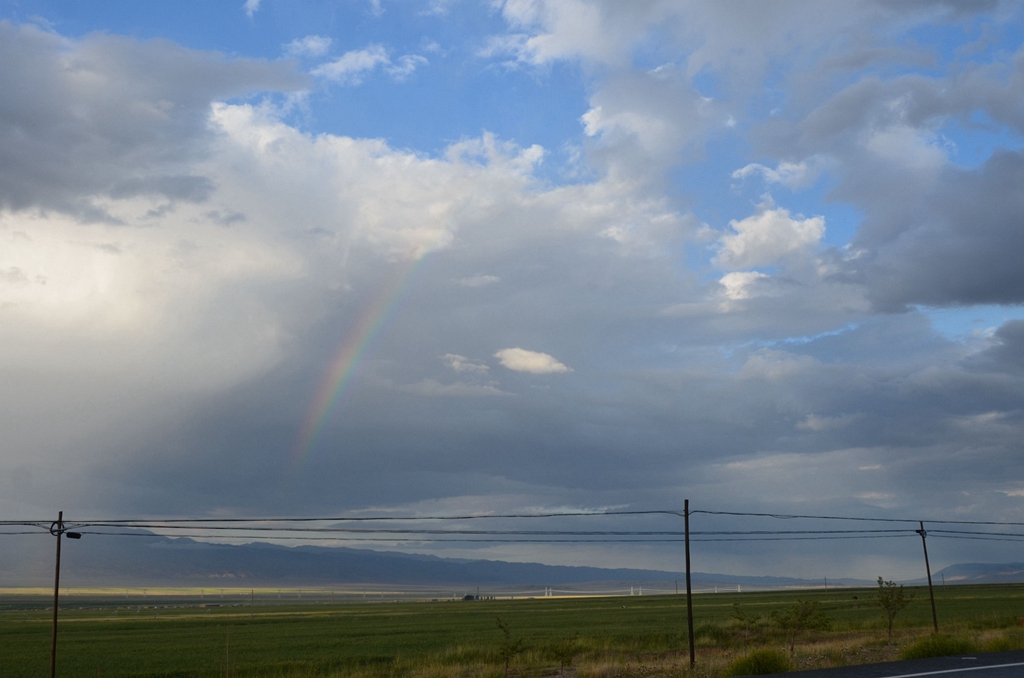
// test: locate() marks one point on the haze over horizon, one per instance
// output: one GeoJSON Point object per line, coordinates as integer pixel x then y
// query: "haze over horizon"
{"type": "Point", "coordinates": [460, 256]}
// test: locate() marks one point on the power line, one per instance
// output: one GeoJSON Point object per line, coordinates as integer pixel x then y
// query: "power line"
{"type": "Point", "coordinates": [300, 529]}
{"type": "Point", "coordinates": [338, 519]}
{"type": "Point", "coordinates": [785, 516]}
{"type": "Point", "coordinates": [1000, 534]}
{"type": "Point", "coordinates": [348, 530]}
{"type": "Point", "coordinates": [561, 514]}
{"type": "Point", "coordinates": [522, 537]}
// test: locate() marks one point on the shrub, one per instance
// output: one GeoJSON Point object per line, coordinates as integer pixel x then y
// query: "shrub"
{"type": "Point", "coordinates": [803, 614]}
{"type": "Point", "coordinates": [759, 663]}
{"type": "Point", "coordinates": [1011, 640]}
{"type": "Point", "coordinates": [564, 651]}
{"type": "Point", "coordinates": [511, 647]}
{"type": "Point", "coordinates": [938, 645]}
{"type": "Point", "coordinates": [892, 599]}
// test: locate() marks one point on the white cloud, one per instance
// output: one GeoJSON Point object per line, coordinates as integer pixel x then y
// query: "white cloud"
{"type": "Point", "coordinates": [439, 7]}
{"type": "Point", "coordinates": [311, 46]}
{"type": "Point", "coordinates": [458, 389]}
{"type": "Point", "coordinates": [767, 237]}
{"type": "Point", "coordinates": [645, 120]}
{"type": "Point", "coordinates": [461, 363]}
{"type": "Point", "coordinates": [521, 360]}
{"type": "Point", "coordinates": [907, 147]}
{"type": "Point", "coordinates": [793, 175]}
{"type": "Point", "coordinates": [547, 30]}
{"type": "Point", "coordinates": [741, 285]}
{"type": "Point", "coordinates": [350, 67]}
{"type": "Point", "coordinates": [405, 66]}
{"type": "Point", "coordinates": [251, 7]}
{"type": "Point", "coordinates": [478, 280]}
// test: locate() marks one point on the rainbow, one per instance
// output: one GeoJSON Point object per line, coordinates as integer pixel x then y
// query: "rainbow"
{"type": "Point", "coordinates": [347, 359]}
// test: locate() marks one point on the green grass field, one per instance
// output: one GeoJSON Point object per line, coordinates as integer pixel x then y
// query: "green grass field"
{"type": "Point", "coordinates": [169, 635]}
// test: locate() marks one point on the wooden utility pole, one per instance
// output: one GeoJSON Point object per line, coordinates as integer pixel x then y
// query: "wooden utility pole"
{"type": "Point", "coordinates": [56, 529]}
{"type": "Point", "coordinates": [928, 569]}
{"type": "Point", "coordinates": [689, 590]}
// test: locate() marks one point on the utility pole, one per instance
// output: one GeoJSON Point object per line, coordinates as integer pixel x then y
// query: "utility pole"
{"type": "Point", "coordinates": [56, 529]}
{"type": "Point", "coordinates": [928, 569]}
{"type": "Point", "coordinates": [689, 591]}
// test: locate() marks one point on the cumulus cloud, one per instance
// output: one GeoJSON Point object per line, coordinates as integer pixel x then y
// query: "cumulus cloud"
{"type": "Point", "coordinates": [955, 245]}
{"type": "Point", "coordinates": [309, 46]}
{"type": "Point", "coordinates": [178, 269]}
{"type": "Point", "coordinates": [942, 237]}
{"type": "Point", "coordinates": [646, 121]}
{"type": "Point", "coordinates": [793, 175]}
{"type": "Point", "coordinates": [546, 30]}
{"type": "Point", "coordinates": [768, 237]}
{"type": "Point", "coordinates": [251, 7]}
{"type": "Point", "coordinates": [177, 310]}
{"type": "Point", "coordinates": [740, 285]}
{"type": "Point", "coordinates": [405, 66]}
{"type": "Point", "coordinates": [534, 362]}
{"type": "Point", "coordinates": [112, 107]}
{"type": "Point", "coordinates": [352, 67]}
{"type": "Point", "coordinates": [461, 363]}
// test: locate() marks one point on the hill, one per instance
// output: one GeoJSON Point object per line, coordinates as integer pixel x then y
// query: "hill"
{"type": "Point", "coordinates": [152, 560]}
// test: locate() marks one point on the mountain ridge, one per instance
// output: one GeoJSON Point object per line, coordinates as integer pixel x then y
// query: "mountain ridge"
{"type": "Point", "coordinates": [154, 560]}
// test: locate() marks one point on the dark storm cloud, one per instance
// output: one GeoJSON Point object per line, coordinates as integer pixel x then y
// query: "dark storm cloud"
{"type": "Point", "coordinates": [606, 439]}
{"type": "Point", "coordinates": [960, 244]}
{"type": "Point", "coordinates": [187, 188]}
{"type": "Point", "coordinates": [784, 391]}
{"type": "Point", "coordinates": [1008, 353]}
{"type": "Point", "coordinates": [934, 232]}
{"type": "Point", "coordinates": [82, 118]}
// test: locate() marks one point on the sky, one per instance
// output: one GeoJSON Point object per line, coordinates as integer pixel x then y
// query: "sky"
{"type": "Point", "coordinates": [427, 257]}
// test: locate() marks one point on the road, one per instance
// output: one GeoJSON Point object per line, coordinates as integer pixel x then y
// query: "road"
{"type": "Point", "coordinates": [986, 665]}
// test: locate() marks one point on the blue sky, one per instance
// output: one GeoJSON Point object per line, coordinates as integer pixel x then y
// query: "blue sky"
{"type": "Point", "coordinates": [514, 254]}
{"type": "Point", "coordinates": [458, 94]}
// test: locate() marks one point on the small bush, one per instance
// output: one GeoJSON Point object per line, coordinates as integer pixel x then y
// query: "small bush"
{"type": "Point", "coordinates": [759, 663]}
{"type": "Point", "coordinates": [1011, 640]}
{"type": "Point", "coordinates": [938, 645]}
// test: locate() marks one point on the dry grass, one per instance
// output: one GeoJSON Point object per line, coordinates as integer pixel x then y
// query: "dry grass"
{"type": "Point", "coordinates": [834, 650]}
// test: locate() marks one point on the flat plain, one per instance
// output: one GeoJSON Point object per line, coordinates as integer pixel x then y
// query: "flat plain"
{"type": "Point", "coordinates": [255, 634]}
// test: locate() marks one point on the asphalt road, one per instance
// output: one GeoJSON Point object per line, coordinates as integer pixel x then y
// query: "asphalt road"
{"type": "Point", "coordinates": [986, 665]}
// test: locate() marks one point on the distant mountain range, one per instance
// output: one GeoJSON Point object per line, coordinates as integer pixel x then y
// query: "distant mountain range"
{"type": "Point", "coordinates": [980, 573]}
{"type": "Point", "coordinates": [151, 560]}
